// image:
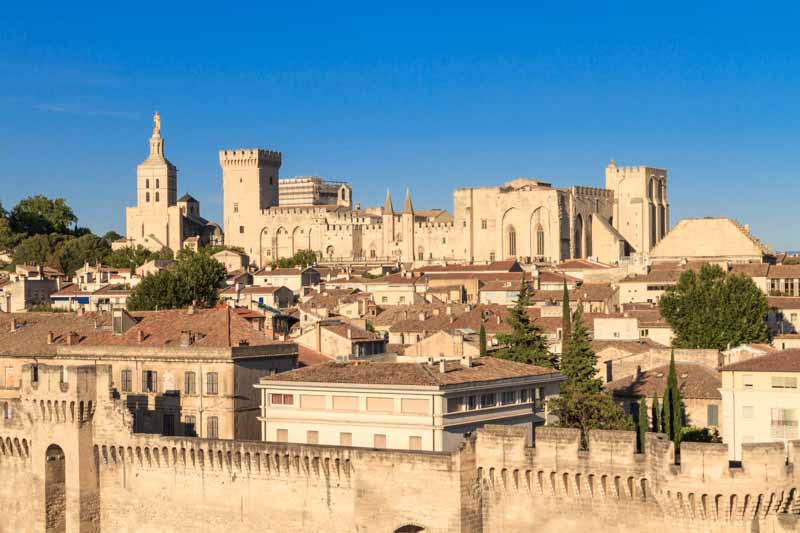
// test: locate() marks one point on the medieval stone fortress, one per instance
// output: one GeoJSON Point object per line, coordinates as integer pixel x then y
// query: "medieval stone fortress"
{"type": "Point", "coordinates": [389, 369]}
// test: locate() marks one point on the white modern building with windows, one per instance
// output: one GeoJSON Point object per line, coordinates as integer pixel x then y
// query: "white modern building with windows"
{"type": "Point", "coordinates": [417, 406]}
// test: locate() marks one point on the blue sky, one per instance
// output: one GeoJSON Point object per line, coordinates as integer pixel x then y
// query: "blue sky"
{"type": "Point", "coordinates": [432, 98]}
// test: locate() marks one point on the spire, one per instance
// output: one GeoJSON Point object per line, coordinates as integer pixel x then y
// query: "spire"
{"type": "Point", "coordinates": [156, 142]}
{"type": "Point", "coordinates": [387, 205]}
{"type": "Point", "coordinates": [407, 207]}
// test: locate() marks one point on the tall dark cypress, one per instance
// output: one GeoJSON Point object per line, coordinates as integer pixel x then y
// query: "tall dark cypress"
{"type": "Point", "coordinates": [566, 319]}
{"type": "Point", "coordinates": [656, 415]}
{"type": "Point", "coordinates": [642, 425]}
{"type": "Point", "coordinates": [482, 340]}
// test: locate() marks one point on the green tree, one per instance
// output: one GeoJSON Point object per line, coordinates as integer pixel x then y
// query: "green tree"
{"type": "Point", "coordinates": [482, 340]}
{"type": "Point", "coordinates": [582, 403]}
{"type": "Point", "coordinates": [38, 215]}
{"type": "Point", "coordinates": [715, 310]}
{"type": "Point", "coordinates": [566, 319]}
{"type": "Point", "coordinates": [3, 212]}
{"type": "Point", "coordinates": [112, 236]}
{"type": "Point", "coordinates": [36, 250]}
{"type": "Point", "coordinates": [9, 239]}
{"type": "Point", "coordinates": [525, 343]}
{"type": "Point", "coordinates": [73, 253]}
{"type": "Point", "coordinates": [302, 258]}
{"type": "Point", "coordinates": [673, 405]}
{"type": "Point", "coordinates": [642, 425]}
{"type": "Point", "coordinates": [200, 275]}
{"type": "Point", "coordinates": [193, 279]}
{"type": "Point", "coordinates": [656, 415]}
{"type": "Point", "coordinates": [128, 257]}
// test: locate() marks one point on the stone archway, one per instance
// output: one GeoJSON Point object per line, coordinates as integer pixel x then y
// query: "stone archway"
{"type": "Point", "coordinates": [55, 490]}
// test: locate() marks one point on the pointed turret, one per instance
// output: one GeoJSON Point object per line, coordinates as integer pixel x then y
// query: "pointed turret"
{"type": "Point", "coordinates": [407, 207]}
{"type": "Point", "coordinates": [387, 205]}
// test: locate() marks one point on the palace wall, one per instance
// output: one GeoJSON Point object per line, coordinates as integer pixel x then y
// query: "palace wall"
{"type": "Point", "coordinates": [67, 456]}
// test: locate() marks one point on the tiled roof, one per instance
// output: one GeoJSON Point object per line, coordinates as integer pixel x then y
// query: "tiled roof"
{"type": "Point", "coordinates": [695, 381]}
{"type": "Point", "coordinates": [349, 331]}
{"type": "Point", "coordinates": [392, 315]}
{"type": "Point", "coordinates": [220, 327]}
{"type": "Point", "coordinates": [588, 292]}
{"type": "Point", "coordinates": [308, 357]}
{"type": "Point", "coordinates": [265, 289]}
{"type": "Point", "coordinates": [654, 276]}
{"type": "Point", "coordinates": [551, 277]}
{"type": "Point", "coordinates": [784, 302]}
{"type": "Point", "coordinates": [497, 267]}
{"type": "Point", "coordinates": [631, 347]}
{"type": "Point", "coordinates": [752, 270]}
{"type": "Point", "coordinates": [113, 289]}
{"type": "Point", "coordinates": [280, 272]}
{"type": "Point", "coordinates": [484, 369]}
{"type": "Point", "coordinates": [71, 289]}
{"type": "Point", "coordinates": [581, 264]}
{"type": "Point", "coordinates": [783, 361]}
{"type": "Point", "coordinates": [784, 271]}
{"type": "Point", "coordinates": [30, 337]}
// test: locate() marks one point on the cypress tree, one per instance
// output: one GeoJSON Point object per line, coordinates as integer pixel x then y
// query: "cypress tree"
{"type": "Point", "coordinates": [666, 414]}
{"type": "Point", "coordinates": [656, 415]}
{"type": "Point", "coordinates": [642, 424]}
{"type": "Point", "coordinates": [526, 343]}
{"type": "Point", "coordinates": [482, 340]}
{"type": "Point", "coordinates": [676, 407]}
{"type": "Point", "coordinates": [579, 362]}
{"type": "Point", "coordinates": [566, 319]}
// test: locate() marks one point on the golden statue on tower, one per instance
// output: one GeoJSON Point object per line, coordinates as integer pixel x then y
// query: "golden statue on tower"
{"type": "Point", "coordinates": [156, 124]}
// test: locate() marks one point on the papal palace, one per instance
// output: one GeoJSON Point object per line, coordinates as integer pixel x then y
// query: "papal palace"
{"type": "Point", "coordinates": [269, 217]}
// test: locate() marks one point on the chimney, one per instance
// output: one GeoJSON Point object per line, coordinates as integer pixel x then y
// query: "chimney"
{"type": "Point", "coordinates": [442, 366]}
{"type": "Point", "coordinates": [421, 316]}
{"type": "Point", "coordinates": [449, 310]}
{"type": "Point", "coordinates": [190, 309]}
{"type": "Point", "coordinates": [50, 337]}
{"type": "Point", "coordinates": [72, 338]}
{"type": "Point", "coordinates": [638, 374]}
{"type": "Point", "coordinates": [466, 361]}
{"type": "Point", "coordinates": [186, 338]}
{"type": "Point", "coordinates": [349, 333]}
{"type": "Point", "coordinates": [14, 324]}
{"type": "Point", "coordinates": [140, 336]}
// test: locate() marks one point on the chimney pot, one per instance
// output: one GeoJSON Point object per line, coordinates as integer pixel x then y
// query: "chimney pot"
{"type": "Point", "coordinates": [186, 338]}
{"type": "Point", "coordinates": [50, 337]}
{"type": "Point", "coordinates": [72, 338]}
{"type": "Point", "coordinates": [13, 324]}
{"type": "Point", "coordinates": [140, 336]}
{"type": "Point", "coordinates": [442, 366]}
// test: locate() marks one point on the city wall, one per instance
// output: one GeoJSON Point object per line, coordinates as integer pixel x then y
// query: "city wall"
{"type": "Point", "coordinates": [69, 462]}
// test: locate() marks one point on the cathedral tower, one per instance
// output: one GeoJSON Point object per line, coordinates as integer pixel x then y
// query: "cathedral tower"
{"type": "Point", "coordinates": [156, 177]}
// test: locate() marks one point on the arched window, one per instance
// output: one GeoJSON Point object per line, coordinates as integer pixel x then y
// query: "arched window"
{"type": "Point", "coordinates": [578, 236]}
{"type": "Point", "coordinates": [539, 240]}
{"type": "Point", "coordinates": [512, 241]}
{"type": "Point", "coordinates": [156, 196]}
{"type": "Point", "coordinates": [147, 197]}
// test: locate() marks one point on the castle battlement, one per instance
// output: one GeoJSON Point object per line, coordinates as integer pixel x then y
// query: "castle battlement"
{"type": "Point", "coordinates": [249, 157]}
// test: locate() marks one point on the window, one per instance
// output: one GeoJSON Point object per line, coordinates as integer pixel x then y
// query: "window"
{"type": "Point", "coordinates": [783, 423]}
{"type": "Point", "coordinates": [127, 381]}
{"type": "Point", "coordinates": [712, 415]}
{"type": "Point", "coordinates": [472, 403]}
{"type": "Point", "coordinates": [345, 439]}
{"type": "Point", "coordinates": [281, 399]}
{"type": "Point", "coordinates": [784, 382]}
{"type": "Point", "coordinates": [168, 425]}
{"type": "Point", "coordinates": [484, 223]}
{"type": "Point", "coordinates": [747, 381]}
{"type": "Point", "coordinates": [158, 183]}
{"type": "Point", "coordinates": [507, 397]}
{"type": "Point", "coordinates": [455, 405]}
{"type": "Point", "coordinates": [212, 427]}
{"type": "Point", "coordinates": [189, 383]}
{"type": "Point", "coordinates": [212, 383]}
{"type": "Point", "coordinates": [283, 435]}
{"type": "Point", "coordinates": [491, 256]}
{"type": "Point", "coordinates": [241, 229]}
{"type": "Point", "coordinates": [235, 207]}
{"type": "Point", "coordinates": [538, 399]}
{"type": "Point", "coordinates": [523, 396]}
{"type": "Point", "coordinates": [312, 437]}
{"type": "Point", "coordinates": [488, 400]}
{"type": "Point", "coordinates": [379, 441]}
{"type": "Point", "coordinates": [156, 196]}
{"type": "Point", "coordinates": [748, 412]}
{"type": "Point", "coordinates": [414, 443]}
{"type": "Point", "coordinates": [402, 299]}
{"type": "Point", "coordinates": [539, 240]}
{"type": "Point", "coordinates": [147, 197]}
{"type": "Point", "coordinates": [512, 242]}
{"type": "Point", "coordinates": [149, 381]}
{"type": "Point", "coordinates": [384, 299]}
{"type": "Point", "coordinates": [190, 426]}
{"type": "Point", "coordinates": [644, 333]}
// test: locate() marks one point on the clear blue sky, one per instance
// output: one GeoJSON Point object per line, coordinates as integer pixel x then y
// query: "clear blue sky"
{"type": "Point", "coordinates": [427, 97]}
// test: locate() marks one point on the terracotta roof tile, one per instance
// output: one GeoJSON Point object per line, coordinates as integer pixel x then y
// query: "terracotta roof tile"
{"type": "Point", "coordinates": [695, 381]}
{"type": "Point", "coordinates": [783, 361]}
{"type": "Point", "coordinates": [783, 302]}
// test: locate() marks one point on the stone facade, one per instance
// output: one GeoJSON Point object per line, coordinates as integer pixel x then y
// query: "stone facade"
{"type": "Point", "coordinates": [69, 462]}
{"type": "Point", "coordinates": [524, 218]}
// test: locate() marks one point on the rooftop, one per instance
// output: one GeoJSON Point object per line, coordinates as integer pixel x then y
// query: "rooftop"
{"type": "Point", "coordinates": [484, 369]}
{"type": "Point", "coordinates": [695, 381]}
{"type": "Point", "coordinates": [783, 361]}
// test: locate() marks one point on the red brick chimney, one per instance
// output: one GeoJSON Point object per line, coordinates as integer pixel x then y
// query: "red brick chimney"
{"type": "Point", "coordinates": [72, 338]}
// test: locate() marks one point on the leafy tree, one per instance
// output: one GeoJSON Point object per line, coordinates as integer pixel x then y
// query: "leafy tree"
{"type": "Point", "coordinates": [36, 250]}
{"type": "Point", "coordinates": [656, 415]}
{"type": "Point", "coordinates": [526, 342]}
{"type": "Point", "coordinates": [3, 212]}
{"type": "Point", "coordinates": [482, 340]}
{"type": "Point", "coordinates": [161, 290]}
{"type": "Point", "coordinates": [112, 236]}
{"type": "Point", "coordinates": [200, 275]}
{"type": "Point", "coordinates": [714, 310]}
{"type": "Point", "coordinates": [582, 402]}
{"type": "Point", "coordinates": [302, 258]}
{"type": "Point", "coordinates": [9, 239]}
{"type": "Point", "coordinates": [566, 319]}
{"type": "Point", "coordinates": [693, 434]}
{"type": "Point", "coordinates": [72, 254]}
{"type": "Point", "coordinates": [642, 425]}
{"type": "Point", "coordinates": [38, 215]}
{"type": "Point", "coordinates": [128, 257]}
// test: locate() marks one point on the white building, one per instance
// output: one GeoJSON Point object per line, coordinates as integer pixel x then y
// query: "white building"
{"type": "Point", "coordinates": [427, 406]}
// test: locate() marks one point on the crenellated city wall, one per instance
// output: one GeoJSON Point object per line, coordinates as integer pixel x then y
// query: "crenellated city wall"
{"type": "Point", "coordinates": [115, 480]}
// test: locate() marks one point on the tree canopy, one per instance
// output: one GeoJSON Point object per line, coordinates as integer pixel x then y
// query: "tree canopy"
{"type": "Point", "coordinates": [37, 215]}
{"type": "Point", "coordinates": [193, 279]}
{"type": "Point", "coordinates": [301, 258]}
{"type": "Point", "coordinates": [526, 342]}
{"type": "Point", "coordinates": [582, 403]}
{"type": "Point", "coordinates": [712, 309]}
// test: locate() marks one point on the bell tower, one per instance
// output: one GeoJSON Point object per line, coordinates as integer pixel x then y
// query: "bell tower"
{"type": "Point", "coordinates": [156, 177]}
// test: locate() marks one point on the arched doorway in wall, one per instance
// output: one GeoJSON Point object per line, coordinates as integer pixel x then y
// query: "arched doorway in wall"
{"type": "Point", "coordinates": [283, 243]}
{"type": "Point", "coordinates": [410, 528]}
{"type": "Point", "coordinates": [55, 490]}
{"type": "Point", "coordinates": [578, 236]}
{"type": "Point", "coordinates": [265, 247]}
{"type": "Point", "coordinates": [298, 240]}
